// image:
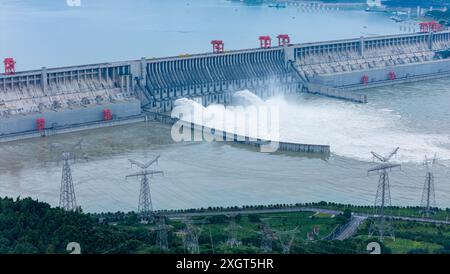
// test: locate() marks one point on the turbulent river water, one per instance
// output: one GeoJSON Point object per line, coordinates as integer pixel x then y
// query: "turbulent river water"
{"type": "Point", "coordinates": [414, 117]}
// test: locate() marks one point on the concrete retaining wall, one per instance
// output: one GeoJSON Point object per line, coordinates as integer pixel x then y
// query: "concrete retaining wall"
{"type": "Point", "coordinates": [336, 93]}
{"type": "Point", "coordinates": [68, 117]}
{"type": "Point", "coordinates": [226, 136]}
{"type": "Point", "coordinates": [382, 75]}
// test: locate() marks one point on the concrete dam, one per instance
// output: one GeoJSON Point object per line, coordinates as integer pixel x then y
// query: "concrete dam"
{"type": "Point", "coordinates": [52, 99]}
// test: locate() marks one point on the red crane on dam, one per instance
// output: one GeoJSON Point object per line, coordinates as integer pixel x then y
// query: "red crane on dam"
{"type": "Point", "coordinates": [218, 46]}
{"type": "Point", "coordinates": [265, 41]}
{"type": "Point", "coordinates": [9, 66]}
{"type": "Point", "coordinates": [430, 26]}
{"type": "Point", "coordinates": [283, 40]}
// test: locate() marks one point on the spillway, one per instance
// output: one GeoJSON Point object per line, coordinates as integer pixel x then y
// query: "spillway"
{"type": "Point", "coordinates": [68, 96]}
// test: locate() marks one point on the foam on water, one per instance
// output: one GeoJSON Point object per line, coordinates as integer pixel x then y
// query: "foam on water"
{"type": "Point", "coordinates": [246, 97]}
{"type": "Point", "coordinates": [352, 130]}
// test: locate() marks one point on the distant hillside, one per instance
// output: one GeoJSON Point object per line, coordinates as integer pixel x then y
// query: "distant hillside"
{"type": "Point", "coordinates": [28, 226]}
{"type": "Point", "coordinates": [440, 16]}
{"type": "Point", "coordinates": [415, 3]}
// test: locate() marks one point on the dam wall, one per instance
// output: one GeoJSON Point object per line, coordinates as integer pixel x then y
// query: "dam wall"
{"type": "Point", "coordinates": [213, 77]}
{"type": "Point", "coordinates": [380, 75]}
{"type": "Point", "coordinates": [346, 62]}
{"type": "Point", "coordinates": [67, 96]}
{"type": "Point", "coordinates": [67, 117]}
{"type": "Point", "coordinates": [330, 68]}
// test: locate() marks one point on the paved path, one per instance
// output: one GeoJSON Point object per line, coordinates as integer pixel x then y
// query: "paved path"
{"type": "Point", "coordinates": [180, 215]}
{"type": "Point", "coordinates": [297, 209]}
{"type": "Point", "coordinates": [350, 228]}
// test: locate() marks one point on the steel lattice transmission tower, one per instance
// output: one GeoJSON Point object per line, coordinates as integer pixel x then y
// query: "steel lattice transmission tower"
{"type": "Point", "coordinates": [268, 236]}
{"type": "Point", "coordinates": [68, 153]}
{"type": "Point", "coordinates": [162, 229]}
{"type": "Point", "coordinates": [382, 224]}
{"type": "Point", "coordinates": [232, 229]}
{"type": "Point", "coordinates": [286, 239]}
{"type": "Point", "coordinates": [428, 197]}
{"type": "Point", "coordinates": [145, 207]}
{"type": "Point", "coordinates": [191, 236]}
{"type": "Point", "coordinates": [67, 199]}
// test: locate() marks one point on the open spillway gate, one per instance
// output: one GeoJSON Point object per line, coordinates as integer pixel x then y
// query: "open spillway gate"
{"type": "Point", "coordinates": [333, 68]}
{"type": "Point", "coordinates": [212, 78]}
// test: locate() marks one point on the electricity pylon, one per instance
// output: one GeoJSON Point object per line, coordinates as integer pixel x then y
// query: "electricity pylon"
{"type": "Point", "coordinates": [286, 239]}
{"type": "Point", "coordinates": [162, 229]}
{"type": "Point", "coordinates": [67, 153]}
{"type": "Point", "coordinates": [191, 236]}
{"type": "Point", "coordinates": [145, 207]}
{"type": "Point", "coordinates": [268, 236]}
{"type": "Point", "coordinates": [232, 229]}
{"type": "Point", "coordinates": [428, 198]}
{"type": "Point", "coordinates": [382, 224]}
{"type": "Point", "coordinates": [67, 199]}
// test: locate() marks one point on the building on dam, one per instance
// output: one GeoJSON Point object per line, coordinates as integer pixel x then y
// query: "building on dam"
{"type": "Point", "coordinates": [57, 98]}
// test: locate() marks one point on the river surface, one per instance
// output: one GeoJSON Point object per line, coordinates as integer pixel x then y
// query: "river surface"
{"type": "Point", "coordinates": [50, 33]}
{"type": "Point", "coordinates": [415, 116]}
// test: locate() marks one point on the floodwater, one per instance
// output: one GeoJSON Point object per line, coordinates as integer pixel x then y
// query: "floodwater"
{"type": "Point", "coordinates": [415, 116]}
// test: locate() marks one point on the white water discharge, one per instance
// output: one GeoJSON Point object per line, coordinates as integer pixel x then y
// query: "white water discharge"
{"type": "Point", "coordinates": [352, 130]}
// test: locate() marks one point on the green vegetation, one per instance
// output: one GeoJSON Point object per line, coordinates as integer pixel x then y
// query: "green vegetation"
{"type": "Point", "coordinates": [415, 3]}
{"type": "Point", "coordinates": [413, 237]}
{"type": "Point", "coordinates": [28, 226]}
{"type": "Point", "coordinates": [408, 211]}
{"type": "Point", "coordinates": [442, 17]}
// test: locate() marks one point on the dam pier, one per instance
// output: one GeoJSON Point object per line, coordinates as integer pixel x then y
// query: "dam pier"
{"type": "Point", "coordinates": [34, 103]}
